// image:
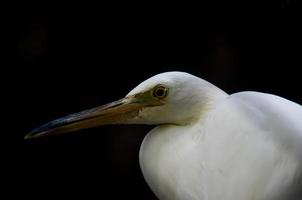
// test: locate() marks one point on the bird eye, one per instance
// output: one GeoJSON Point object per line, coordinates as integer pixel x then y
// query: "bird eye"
{"type": "Point", "coordinates": [160, 92]}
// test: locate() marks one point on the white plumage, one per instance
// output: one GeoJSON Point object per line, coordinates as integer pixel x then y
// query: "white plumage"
{"type": "Point", "coordinates": [207, 145]}
{"type": "Point", "coordinates": [244, 146]}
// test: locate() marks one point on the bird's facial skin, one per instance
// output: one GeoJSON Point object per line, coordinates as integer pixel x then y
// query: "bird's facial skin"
{"type": "Point", "coordinates": [167, 98]}
{"type": "Point", "coordinates": [122, 111]}
{"type": "Point", "coordinates": [156, 96]}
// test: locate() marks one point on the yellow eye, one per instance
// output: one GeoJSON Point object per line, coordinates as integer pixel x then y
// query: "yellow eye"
{"type": "Point", "coordinates": [160, 92]}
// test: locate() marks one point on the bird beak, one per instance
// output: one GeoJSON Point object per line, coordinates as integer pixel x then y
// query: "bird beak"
{"type": "Point", "coordinates": [113, 113]}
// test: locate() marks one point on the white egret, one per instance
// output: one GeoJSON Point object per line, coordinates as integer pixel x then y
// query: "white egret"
{"type": "Point", "coordinates": [207, 145]}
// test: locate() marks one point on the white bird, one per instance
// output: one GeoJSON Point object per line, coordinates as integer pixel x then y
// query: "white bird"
{"type": "Point", "coordinates": [207, 145]}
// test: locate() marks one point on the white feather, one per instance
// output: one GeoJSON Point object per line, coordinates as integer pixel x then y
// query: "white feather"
{"type": "Point", "coordinates": [245, 146]}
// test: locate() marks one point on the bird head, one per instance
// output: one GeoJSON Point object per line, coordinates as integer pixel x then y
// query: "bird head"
{"type": "Point", "coordinates": [167, 98]}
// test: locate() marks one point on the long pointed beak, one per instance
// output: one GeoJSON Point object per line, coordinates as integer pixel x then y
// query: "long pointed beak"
{"type": "Point", "coordinates": [113, 113]}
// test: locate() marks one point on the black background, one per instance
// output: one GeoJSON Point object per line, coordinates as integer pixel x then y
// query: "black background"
{"type": "Point", "coordinates": [66, 58]}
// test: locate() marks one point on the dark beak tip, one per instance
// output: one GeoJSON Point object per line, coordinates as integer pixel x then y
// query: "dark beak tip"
{"type": "Point", "coordinates": [29, 136]}
{"type": "Point", "coordinates": [32, 135]}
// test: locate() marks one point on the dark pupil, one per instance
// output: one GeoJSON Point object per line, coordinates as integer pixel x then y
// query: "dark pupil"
{"type": "Point", "coordinates": [160, 92]}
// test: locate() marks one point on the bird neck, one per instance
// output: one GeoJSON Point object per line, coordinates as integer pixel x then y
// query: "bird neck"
{"type": "Point", "coordinates": [209, 96]}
